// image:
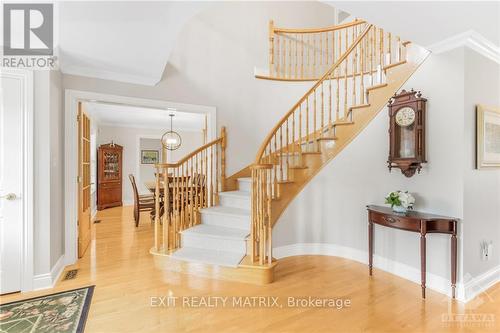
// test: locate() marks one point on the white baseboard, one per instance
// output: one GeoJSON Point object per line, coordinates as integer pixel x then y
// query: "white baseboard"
{"type": "Point", "coordinates": [481, 283]}
{"type": "Point", "coordinates": [48, 280]}
{"type": "Point", "coordinates": [434, 282]}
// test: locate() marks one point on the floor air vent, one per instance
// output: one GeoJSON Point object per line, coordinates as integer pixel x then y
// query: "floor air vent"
{"type": "Point", "coordinates": [71, 274]}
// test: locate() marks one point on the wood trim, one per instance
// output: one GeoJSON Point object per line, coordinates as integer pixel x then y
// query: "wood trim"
{"type": "Point", "coordinates": [188, 156]}
{"type": "Point", "coordinates": [273, 78]}
{"type": "Point", "coordinates": [394, 65]}
{"type": "Point", "coordinates": [377, 86]}
{"type": "Point", "coordinates": [232, 181]}
{"type": "Point", "coordinates": [247, 271]}
{"type": "Point", "coordinates": [360, 106]}
{"type": "Point", "coordinates": [318, 30]}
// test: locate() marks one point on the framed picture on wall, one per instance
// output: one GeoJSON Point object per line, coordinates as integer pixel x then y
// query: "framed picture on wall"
{"type": "Point", "coordinates": [150, 156]}
{"type": "Point", "coordinates": [487, 137]}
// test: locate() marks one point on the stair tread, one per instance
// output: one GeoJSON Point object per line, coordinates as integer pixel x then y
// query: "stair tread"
{"type": "Point", "coordinates": [343, 122]}
{"type": "Point", "coordinates": [298, 167]}
{"type": "Point", "coordinates": [206, 256]}
{"type": "Point", "coordinates": [245, 179]}
{"type": "Point", "coordinates": [235, 194]}
{"type": "Point", "coordinates": [327, 138]}
{"type": "Point", "coordinates": [214, 231]}
{"type": "Point", "coordinates": [225, 210]}
{"type": "Point", "coordinates": [395, 64]}
{"type": "Point", "coordinates": [376, 86]}
{"type": "Point", "coordinates": [288, 154]}
{"type": "Point", "coordinates": [359, 106]}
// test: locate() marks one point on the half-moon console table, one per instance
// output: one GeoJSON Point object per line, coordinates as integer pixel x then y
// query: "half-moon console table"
{"type": "Point", "coordinates": [422, 223]}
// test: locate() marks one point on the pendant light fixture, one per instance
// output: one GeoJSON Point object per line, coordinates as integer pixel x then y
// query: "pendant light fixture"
{"type": "Point", "coordinates": [171, 140]}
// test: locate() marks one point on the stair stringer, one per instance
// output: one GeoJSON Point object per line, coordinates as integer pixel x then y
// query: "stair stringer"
{"type": "Point", "coordinates": [396, 76]}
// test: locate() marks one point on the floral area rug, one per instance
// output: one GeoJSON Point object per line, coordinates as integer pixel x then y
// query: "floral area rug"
{"type": "Point", "coordinates": [61, 312]}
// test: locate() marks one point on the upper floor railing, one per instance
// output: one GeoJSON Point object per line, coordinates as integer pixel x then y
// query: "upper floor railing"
{"type": "Point", "coordinates": [306, 54]}
{"type": "Point", "coordinates": [185, 187]}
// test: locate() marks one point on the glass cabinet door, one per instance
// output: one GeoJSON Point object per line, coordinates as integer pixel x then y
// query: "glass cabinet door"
{"type": "Point", "coordinates": [111, 168]}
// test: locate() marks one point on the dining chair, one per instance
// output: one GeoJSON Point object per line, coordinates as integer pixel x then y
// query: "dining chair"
{"type": "Point", "coordinates": [142, 203]}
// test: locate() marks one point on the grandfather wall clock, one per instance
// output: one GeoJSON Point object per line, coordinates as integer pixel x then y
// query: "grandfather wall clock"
{"type": "Point", "coordinates": [407, 132]}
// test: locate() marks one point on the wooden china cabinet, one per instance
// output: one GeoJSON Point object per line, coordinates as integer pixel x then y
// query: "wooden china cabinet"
{"type": "Point", "coordinates": [109, 176]}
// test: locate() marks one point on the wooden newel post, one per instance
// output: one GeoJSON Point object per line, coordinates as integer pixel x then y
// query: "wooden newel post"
{"type": "Point", "coordinates": [223, 145]}
{"type": "Point", "coordinates": [157, 206]}
{"type": "Point", "coordinates": [253, 215]}
{"type": "Point", "coordinates": [166, 207]}
{"type": "Point", "coordinates": [271, 47]}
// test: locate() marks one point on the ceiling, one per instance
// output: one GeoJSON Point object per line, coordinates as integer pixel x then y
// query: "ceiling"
{"type": "Point", "coordinates": [429, 22]}
{"type": "Point", "coordinates": [131, 41]}
{"type": "Point", "coordinates": [139, 117]}
{"type": "Point", "coordinates": [122, 41]}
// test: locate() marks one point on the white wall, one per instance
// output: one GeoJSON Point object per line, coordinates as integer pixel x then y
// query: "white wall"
{"type": "Point", "coordinates": [48, 174]}
{"type": "Point", "coordinates": [332, 207]}
{"type": "Point", "coordinates": [41, 177]}
{"type": "Point", "coordinates": [56, 168]}
{"type": "Point", "coordinates": [147, 171]}
{"type": "Point", "coordinates": [129, 138]}
{"type": "Point", "coordinates": [482, 187]}
{"type": "Point", "coordinates": [213, 64]}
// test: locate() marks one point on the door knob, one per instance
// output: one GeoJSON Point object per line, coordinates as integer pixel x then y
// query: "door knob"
{"type": "Point", "coordinates": [9, 196]}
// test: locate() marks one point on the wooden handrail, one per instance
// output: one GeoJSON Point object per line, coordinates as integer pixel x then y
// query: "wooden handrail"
{"type": "Point", "coordinates": [311, 90]}
{"type": "Point", "coordinates": [318, 30]}
{"type": "Point", "coordinates": [191, 154]}
{"type": "Point", "coordinates": [353, 60]}
{"type": "Point", "coordinates": [303, 53]}
{"type": "Point", "coordinates": [183, 188]}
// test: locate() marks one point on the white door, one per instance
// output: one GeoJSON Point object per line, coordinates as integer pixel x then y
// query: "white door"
{"type": "Point", "coordinates": [11, 180]}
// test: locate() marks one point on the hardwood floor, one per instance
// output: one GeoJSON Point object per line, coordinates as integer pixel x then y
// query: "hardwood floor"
{"type": "Point", "coordinates": [128, 283]}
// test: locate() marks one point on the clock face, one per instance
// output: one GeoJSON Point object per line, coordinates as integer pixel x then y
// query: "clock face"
{"type": "Point", "coordinates": [405, 116]}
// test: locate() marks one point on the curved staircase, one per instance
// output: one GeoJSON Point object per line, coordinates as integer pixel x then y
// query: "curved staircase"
{"type": "Point", "coordinates": [222, 227]}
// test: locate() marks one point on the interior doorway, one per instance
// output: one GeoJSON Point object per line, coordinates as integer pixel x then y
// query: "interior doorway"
{"type": "Point", "coordinates": [16, 181]}
{"type": "Point", "coordinates": [131, 124]}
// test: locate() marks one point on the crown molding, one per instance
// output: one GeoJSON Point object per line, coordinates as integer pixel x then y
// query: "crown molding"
{"type": "Point", "coordinates": [109, 75]}
{"type": "Point", "coordinates": [471, 39]}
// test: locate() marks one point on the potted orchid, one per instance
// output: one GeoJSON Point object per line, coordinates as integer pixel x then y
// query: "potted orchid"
{"type": "Point", "coordinates": [400, 201]}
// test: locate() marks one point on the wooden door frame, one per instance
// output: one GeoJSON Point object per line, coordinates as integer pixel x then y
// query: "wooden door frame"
{"type": "Point", "coordinates": [27, 252]}
{"type": "Point", "coordinates": [71, 99]}
{"type": "Point", "coordinates": [82, 132]}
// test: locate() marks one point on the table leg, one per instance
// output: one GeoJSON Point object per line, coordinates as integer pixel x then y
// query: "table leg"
{"type": "Point", "coordinates": [370, 246]}
{"type": "Point", "coordinates": [423, 232]}
{"type": "Point", "coordinates": [454, 259]}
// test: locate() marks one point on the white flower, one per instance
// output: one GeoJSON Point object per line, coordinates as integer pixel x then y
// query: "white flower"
{"type": "Point", "coordinates": [405, 198]}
